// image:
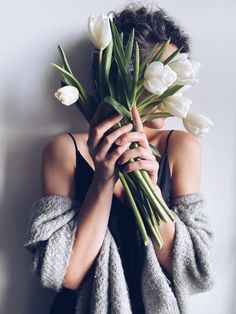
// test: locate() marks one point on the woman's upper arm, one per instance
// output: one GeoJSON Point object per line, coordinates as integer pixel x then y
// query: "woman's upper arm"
{"type": "Point", "coordinates": [185, 158]}
{"type": "Point", "coordinates": [57, 166]}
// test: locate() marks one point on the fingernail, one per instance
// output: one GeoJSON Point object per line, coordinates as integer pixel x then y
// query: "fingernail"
{"type": "Point", "coordinates": [118, 141]}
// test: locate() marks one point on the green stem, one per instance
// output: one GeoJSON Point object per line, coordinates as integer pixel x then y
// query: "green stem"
{"type": "Point", "coordinates": [150, 192]}
{"type": "Point", "coordinates": [160, 199]}
{"type": "Point", "coordinates": [140, 84]}
{"type": "Point", "coordinates": [148, 106]}
{"type": "Point", "coordinates": [139, 93]}
{"type": "Point", "coordinates": [152, 226]}
{"type": "Point", "coordinates": [135, 209]}
{"type": "Point", "coordinates": [152, 195]}
{"type": "Point", "coordinates": [100, 75]}
{"type": "Point", "coordinates": [148, 189]}
{"type": "Point", "coordinates": [152, 222]}
{"type": "Point", "coordinates": [146, 100]}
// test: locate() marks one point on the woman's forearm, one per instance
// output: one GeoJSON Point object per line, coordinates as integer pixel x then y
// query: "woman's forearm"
{"type": "Point", "coordinates": [167, 231]}
{"type": "Point", "coordinates": [164, 255]}
{"type": "Point", "coordinates": [93, 219]}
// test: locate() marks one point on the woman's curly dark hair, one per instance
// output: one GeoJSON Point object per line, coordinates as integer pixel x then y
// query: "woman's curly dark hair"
{"type": "Point", "coordinates": [151, 26]}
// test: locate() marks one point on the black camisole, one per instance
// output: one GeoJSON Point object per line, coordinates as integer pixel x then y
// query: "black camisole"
{"type": "Point", "coordinates": [124, 229]}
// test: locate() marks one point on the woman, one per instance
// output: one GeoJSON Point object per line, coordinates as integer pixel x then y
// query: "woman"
{"type": "Point", "coordinates": [89, 174]}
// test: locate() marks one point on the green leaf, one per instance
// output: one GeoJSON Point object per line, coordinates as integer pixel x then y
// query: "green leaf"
{"type": "Point", "coordinates": [108, 60]}
{"type": "Point", "coordinates": [122, 38]}
{"type": "Point", "coordinates": [112, 79]}
{"type": "Point", "coordinates": [64, 59]}
{"type": "Point", "coordinates": [118, 43]}
{"type": "Point", "coordinates": [133, 93]}
{"type": "Point", "coordinates": [71, 81]}
{"type": "Point", "coordinates": [137, 61]}
{"type": "Point", "coordinates": [117, 106]}
{"type": "Point", "coordinates": [128, 97]}
{"type": "Point", "coordinates": [155, 151]}
{"type": "Point", "coordinates": [123, 70]}
{"type": "Point", "coordinates": [148, 58]}
{"type": "Point", "coordinates": [162, 51]}
{"type": "Point", "coordinates": [120, 89]}
{"type": "Point", "coordinates": [155, 115]}
{"type": "Point", "coordinates": [172, 56]}
{"type": "Point", "coordinates": [101, 75]}
{"type": "Point", "coordinates": [170, 91]}
{"type": "Point", "coordinates": [129, 48]}
{"type": "Point", "coordinates": [140, 82]}
{"type": "Point", "coordinates": [148, 106]}
{"type": "Point", "coordinates": [135, 76]}
{"type": "Point", "coordinates": [139, 92]}
{"type": "Point", "coordinates": [146, 100]}
{"type": "Point", "coordinates": [119, 56]}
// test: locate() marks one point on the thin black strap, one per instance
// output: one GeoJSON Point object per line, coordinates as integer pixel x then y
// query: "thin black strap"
{"type": "Point", "coordinates": [167, 139]}
{"type": "Point", "coordinates": [73, 140]}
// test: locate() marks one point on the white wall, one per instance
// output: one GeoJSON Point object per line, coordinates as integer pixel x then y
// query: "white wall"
{"type": "Point", "coordinates": [30, 115]}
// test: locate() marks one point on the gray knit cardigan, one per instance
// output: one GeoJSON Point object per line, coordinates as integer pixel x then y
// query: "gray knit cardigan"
{"type": "Point", "coordinates": [50, 235]}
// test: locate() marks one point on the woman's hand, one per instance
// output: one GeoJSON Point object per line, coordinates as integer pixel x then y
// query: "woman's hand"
{"type": "Point", "coordinates": [99, 146]}
{"type": "Point", "coordinates": [148, 162]}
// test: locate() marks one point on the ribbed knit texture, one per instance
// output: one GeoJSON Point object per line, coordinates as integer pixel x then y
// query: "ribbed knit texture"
{"type": "Point", "coordinates": [50, 236]}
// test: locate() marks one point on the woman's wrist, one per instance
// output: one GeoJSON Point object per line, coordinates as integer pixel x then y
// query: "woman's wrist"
{"type": "Point", "coordinates": [101, 184]}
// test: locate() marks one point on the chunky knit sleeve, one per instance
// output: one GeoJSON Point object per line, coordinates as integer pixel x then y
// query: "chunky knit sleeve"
{"type": "Point", "coordinates": [50, 236]}
{"type": "Point", "coordinates": [192, 264]}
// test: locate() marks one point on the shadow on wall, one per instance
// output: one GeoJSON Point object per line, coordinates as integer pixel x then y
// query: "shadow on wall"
{"type": "Point", "coordinates": [21, 291]}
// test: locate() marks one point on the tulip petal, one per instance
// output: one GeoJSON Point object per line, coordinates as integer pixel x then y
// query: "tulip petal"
{"type": "Point", "coordinates": [177, 105]}
{"type": "Point", "coordinates": [99, 30]}
{"type": "Point", "coordinates": [67, 95]}
{"type": "Point", "coordinates": [197, 124]}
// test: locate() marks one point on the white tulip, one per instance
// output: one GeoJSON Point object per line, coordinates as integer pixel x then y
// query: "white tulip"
{"type": "Point", "coordinates": [186, 70]}
{"type": "Point", "coordinates": [67, 95]}
{"type": "Point", "coordinates": [99, 30]}
{"type": "Point", "coordinates": [158, 77]}
{"type": "Point", "coordinates": [197, 124]}
{"type": "Point", "coordinates": [176, 105]}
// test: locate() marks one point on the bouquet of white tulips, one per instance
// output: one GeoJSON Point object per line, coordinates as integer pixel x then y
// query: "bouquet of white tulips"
{"type": "Point", "coordinates": [119, 89]}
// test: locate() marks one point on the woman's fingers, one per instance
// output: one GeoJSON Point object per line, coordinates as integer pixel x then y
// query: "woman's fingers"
{"type": "Point", "coordinates": [151, 166]}
{"type": "Point", "coordinates": [136, 152]}
{"type": "Point", "coordinates": [137, 119]}
{"type": "Point", "coordinates": [110, 139]}
{"type": "Point", "coordinates": [139, 137]}
{"type": "Point", "coordinates": [98, 132]}
{"type": "Point", "coordinates": [95, 116]}
{"type": "Point", "coordinates": [115, 155]}
{"type": "Point", "coordinates": [93, 122]}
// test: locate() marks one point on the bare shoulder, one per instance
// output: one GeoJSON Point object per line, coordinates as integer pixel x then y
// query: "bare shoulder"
{"type": "Point", "coordinates": [184, 152]}
{"type": "Point", "coordinates": [182, 143]}
{"type": "Point", "coordinates": [59, 147]}
{"type": "Point", "coordinates": [63, 141]}
{"type": "Point", "coordinates": [58, 163]}
{"type": "Point", "coordinates": [179, 141]}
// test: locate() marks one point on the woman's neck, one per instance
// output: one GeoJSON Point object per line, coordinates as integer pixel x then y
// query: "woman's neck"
{"type": "Point", "coordinates": [151, 134]}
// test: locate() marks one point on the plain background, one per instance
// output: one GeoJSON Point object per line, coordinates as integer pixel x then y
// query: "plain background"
{"type": "Point", "coordinates": [30, 116]}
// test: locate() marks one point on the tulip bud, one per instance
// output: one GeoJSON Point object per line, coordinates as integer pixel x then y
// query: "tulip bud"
{"type": "Point", "coordinates": [177, 105]}
{"type": "Point", "coordinates": [197, 124]}
{"type": "Point", "coordinates": [186, 70]}
{"type": "Point", "coordinates": [158, 77]}
{"type": "Point", "coordinates": [67, 95]}
{"type": "Point", "coordinates": [99, 30]}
